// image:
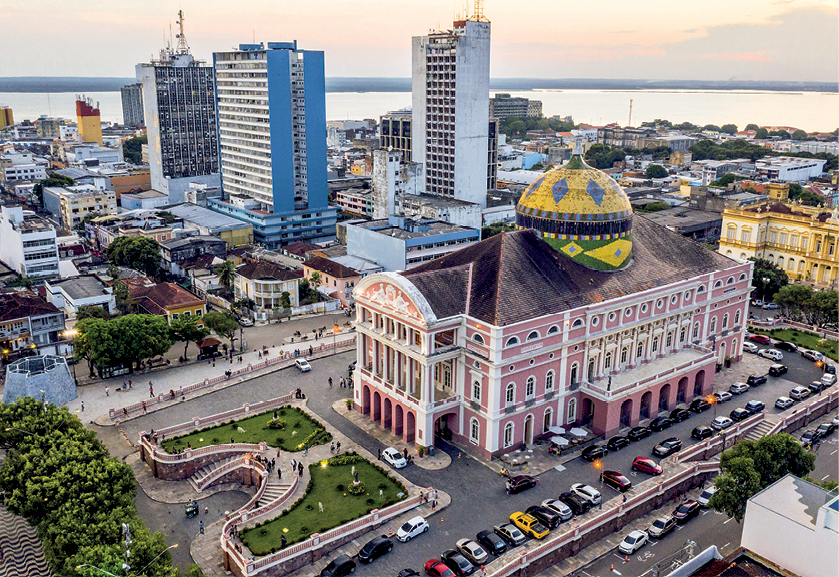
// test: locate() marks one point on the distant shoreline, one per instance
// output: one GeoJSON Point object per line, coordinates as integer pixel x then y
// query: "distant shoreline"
{"type": "Point", "coordinates": [40, 84]}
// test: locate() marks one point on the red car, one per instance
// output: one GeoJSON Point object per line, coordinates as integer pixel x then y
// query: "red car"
{"type": "Point", "coordinates": [646, 465]}
{"type": "Point", "coordinates": [762, 339]}
{"type": "Point", "coordinates": [437, 568]}
{"type": "Point", "coordinates": [617, 480]}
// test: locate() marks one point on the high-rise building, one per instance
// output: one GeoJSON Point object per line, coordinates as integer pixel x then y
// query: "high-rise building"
{"type": "Point", "coordinates": [180, 118]}
{"type": "Point", "coordinates": [132, 104]}
{"type": "Point", "coordinates": [6, 117]}
{"type": "Point", "coordinates": [271, 108]}
{"type": "Point", "coordinates": [503, 105]}
{"type": "Point", "coordinates": [450, 85]}
{"type": "Point", "coordinates": [88, 120]}
{"type": "Point", "coordinates": [48, 127]}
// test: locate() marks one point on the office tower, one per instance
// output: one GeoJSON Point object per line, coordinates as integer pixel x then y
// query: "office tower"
{"type": "Point", "coordinates": [450, 85]}
{"type": "Point", "coordinates": [6, 117]}
{"type": "Point", "coordinates": [503, 105]}
{"type": "Point", "coordinates": [88, 119]}
{"type": "Point", "coordinates": [180, 117]}
{"type": "Point", "coordinates": [271, 108]}
{"type": "Point", "coordinates": [132, 104]}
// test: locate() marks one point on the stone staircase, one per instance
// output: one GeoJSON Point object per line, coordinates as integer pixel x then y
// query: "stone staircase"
{"type": "Point", "coordinates": [202, 474]}
{"type": "Point", "coordinates": [273, 491]}
{"type": "Point", "coordinates": [23, 554]}
{"type": "Point", "coordinates": [760, 430]}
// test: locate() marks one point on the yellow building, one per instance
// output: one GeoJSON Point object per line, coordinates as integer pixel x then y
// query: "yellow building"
{"type": "Point", "coordinates": [89, 121]}
{"type": "Point", "coordinates": [74, 203]}
{"type": "Point", "coordinates": [6, 117]}
{"type": "Point", "coordinates": [777, 191]}
{"type": "Point", "coordinates": [802, 240]}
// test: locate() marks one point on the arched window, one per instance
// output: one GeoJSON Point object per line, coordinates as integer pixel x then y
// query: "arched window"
{"type": "Point", "coordinates": [639, 351]}
{"type": "Point", "coordinates": [730, 280]}
{"type": "Point", "coordinates": [725, 321]}
{"type": "Point", "coordinates": [548, 420]}
{"type": "Point", "coordinates": [578, 323]}
{"type": "Point", "coordinates": [476, 391]}
{"type": "Point", "coordinates": [737, 318]}
{"type": "Point", "coordinates": [591, 364]}
{"type": "Point", "coordinates": [695, 331]}
{"type": "Point", "coordinates": [608, 361]}
{"type": "Point", "coordinates": [511, 394]}
{"type": "Point", "coordinates": [655, 344]}
{"type": "Point", "coordinates": [701, 289]}
{"type": "Point", "coordinates": [728, 253]}
{"type": "Point", "coordinates": [713, 328]}
{"type": "Point", "coordinates": [553, 329]}
{"type": "Point", "coordinates": [743, 256]}
{"type": "Point", "coordinates": [669, 340]}
{"type": "Point", "coordinates": [532, 336]}
{"type": "Point", "coordinates": [624, 354]}
{"type": "Point", "coordinates": [512, 341]}
{"type": "Point", "coordinates": [474, 431]}
{"type": "Point", "coordinates": [781, 262]}
{"type": "Point", "coordinates": [574, 371]}
{"type": "Point", "coordinates": [718, 284]}
{"type": "Point", "coordinates": [791, 264]}
{"type": "Point", "coordinates": [549, 381]}
{"type": "Point", "coordinates": [572, 412]}
{"type": "Point", "coordinates": [742, 277]}
{"type": "Point", "coordinates": [682, 334]}
{"type": "Point", "coordinates": [478, 338]}
{"type": "Point", "coordinates": [530, 387]}
{"type": "Point", "coordinates": [508, 435]}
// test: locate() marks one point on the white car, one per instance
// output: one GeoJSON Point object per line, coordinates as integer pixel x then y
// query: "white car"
{"type": "Point", "coordinates": [303, 365]}
{"type": "Point", "coordinates": [771, 354]}
{"type": "Point", "coordinates": [245, 322]}
{"type": "Point", "coordinates": [472, 551]}
{"type": "Point", "coordinates": [784, 403]}
{"type": "Point", "coordinates": [750, 348]}
{"type": "Point", "coordinates": [722, 396]}
{"type": "Point", "coordinates": [721, 423]}
{"type": "Point", "coordinates": [770, 307]}
{"type": "Point", "coordinates": [411, 529]}
{"type": "Point", "coordinates": [738, 388]}
{"type": "Point", "coordinates": [828, 379]}
{"type": "Point", "coordinates": [394, 457]}
{"type": "Point", "coordinates": [587, 492]}
{"type": "Point", "coordinates": [558, 507]}
{"type": "Point", "coordinates": [632, 542]}
{"type": "Point", "coordinates": [706, 496]}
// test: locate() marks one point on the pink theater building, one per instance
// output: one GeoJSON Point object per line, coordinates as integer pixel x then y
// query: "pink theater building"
{"type": "Point", "coordinates": [492, 345]}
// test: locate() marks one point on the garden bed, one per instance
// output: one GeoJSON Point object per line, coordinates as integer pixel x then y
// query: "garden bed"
{"type": "Point", "coordinates": [330, 484]}
{"type": "Point", "coordinates": [297, 428]}
{"type": "Point", "coordinates": [802, 339]}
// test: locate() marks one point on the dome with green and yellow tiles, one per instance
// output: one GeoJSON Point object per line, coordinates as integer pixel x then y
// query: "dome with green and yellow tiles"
{"type": "Point", "coordinates": [581, 212]}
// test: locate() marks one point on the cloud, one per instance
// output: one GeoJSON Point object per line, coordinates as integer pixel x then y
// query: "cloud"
{"type": "Point", "coordinates": [750, 56]}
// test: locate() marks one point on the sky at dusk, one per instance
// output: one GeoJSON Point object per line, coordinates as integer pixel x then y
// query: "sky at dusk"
{"type": "Point", "coordinates": [792, 40]}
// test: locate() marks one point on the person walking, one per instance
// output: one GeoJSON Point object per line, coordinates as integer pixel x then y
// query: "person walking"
{"type": "Point", "coordinates": [282, 541]}
{"type": "Point", "coordinates": [338, 448]}
{"type": "Point", "coordinates": [144, 407]}
{"type": "Point", "coordinates": [130, 386]}
{"type": "Point", "coordinates": [201, 526]}
{"type": "Point", "coordinates": [107, 392]}
{"type": "Point", "coordinates": [279, 473]}
{"type": "Point", "coordinates": [83, 406]}
{"type": "Point", "coordinates": [151, 390]}
{"type": "Point", "coordinates": [330, 382]}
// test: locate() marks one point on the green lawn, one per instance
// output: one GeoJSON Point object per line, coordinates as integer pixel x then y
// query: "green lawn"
{"type": "Point", "coordinates": [298, 427]}
{"type": "Point", "coordinates": [328, 486]}
{"type": "Point", "coordinates": [802, 339]}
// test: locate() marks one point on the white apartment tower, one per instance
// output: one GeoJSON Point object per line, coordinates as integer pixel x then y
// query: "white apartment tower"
{"type": "Point", "coordinates": [450, 107]}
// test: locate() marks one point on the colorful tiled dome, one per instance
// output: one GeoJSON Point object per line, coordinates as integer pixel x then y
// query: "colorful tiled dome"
{"type": "Point", "coordinates": [581, 212]}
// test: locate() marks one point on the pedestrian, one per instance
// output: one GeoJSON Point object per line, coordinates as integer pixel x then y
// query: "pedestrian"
{"type": "Point", "coordinates": [300, 468]}
{"type": "Point", "coordinates": [130, 386]}
{"type": "Point", "coordinates": [144, 407]}
{"type": "Point", "coordinates": [422, 497]}
{"type": "Point", "coordinates": [332, 448]}
{"type": "Point", "coordinates": [107, 392]}
{"type": "Point", "coordinates": [279, 473]}
{"type": "Point", "coordinates": [624, 498]}
{"type": "Point", "coordinates": [330, 382]}
{"type": "Point", "coordinates": [206, 510]}
{"type": "Point", "coordinates": [83, 406]}
{"type": "Point", "coordinates": [483, 571]}
{"type": "Point", "coordinates": [433, 504]}
{"type": "Point", "coordinates": [435, 495]}
{"type": "Point", "coordinates": [294, 463]}
{"type": "Point", "coordinates": [380, 454]}
{"type": "Point", "coordinates": [201, 526]}
{"type": "Point", "coordinates": [260, 355]}
{"type": "Point", "coordinates": [507, 486]}
{"type": "Point", "coordinates": [278, 452]}
{"type": "Point", "coordinates": [338, 448]}
{"type": "Point", "coordinates": [405, 453]}
{"type": "Point", "coordinates": [282, 541]}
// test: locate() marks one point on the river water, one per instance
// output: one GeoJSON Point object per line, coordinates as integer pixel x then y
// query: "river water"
{"type": "Point", "coordinates": [810, 111]}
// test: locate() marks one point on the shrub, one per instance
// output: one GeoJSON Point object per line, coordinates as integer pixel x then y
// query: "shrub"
{"type": "Point", "coordinates": [340, 488]}
{"type": "Point", "coordinates": [370, 501]}
{"type": "Point", "coordinates": [309, 508]}
{"type": "Point", "coordinates": [297, 424]}
{"type": "Point", "coordinates": [278, 424]}
{"type": "Point", "coordinates": [359, 489]}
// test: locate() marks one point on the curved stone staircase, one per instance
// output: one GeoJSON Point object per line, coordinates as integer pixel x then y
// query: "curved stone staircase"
{"type": "Point", "coordinates": [201, 475]}
{"type": "Point", "coordinates": [273, 491]}
{"type": "Point", "coordinates": [23, 554]}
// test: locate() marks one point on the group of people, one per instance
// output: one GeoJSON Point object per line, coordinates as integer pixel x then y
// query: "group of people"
{"type": "Point", "coordinates": [335, 448]}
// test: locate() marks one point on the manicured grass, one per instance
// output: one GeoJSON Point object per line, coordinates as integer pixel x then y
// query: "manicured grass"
{"type": "Point", "coordinates": [802, 339]}
{"type": "Point", "coordinates": [327, 485]}
{"type": "Point", "coordinates": [298, 427]}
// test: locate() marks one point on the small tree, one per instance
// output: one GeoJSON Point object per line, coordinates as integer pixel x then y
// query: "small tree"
{"type": "Point", "coordinates": [285, 300]}
{"type": "Point", "coordinates": [186, 329]}
{"type": "Point", "coordinates": [224, 324]}
{"type": "Point", "coordinates": [226, 273]}
{"type": "Point", "coordinates": [656, 171]}
{"type": "Point", "coordinates": [729, 128]}
{"type": "Point", "coordinates": [316, 279]}
{"type": "Point", "coordinates": [121, 295]}
{"type": "Point", "coordinates": [776, 278]}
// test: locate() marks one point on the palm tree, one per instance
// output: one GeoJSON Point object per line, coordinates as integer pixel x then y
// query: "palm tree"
{"type": "Point", "coordinates": [226, 272]}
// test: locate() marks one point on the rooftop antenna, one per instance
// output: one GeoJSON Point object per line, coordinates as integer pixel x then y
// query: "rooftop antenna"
{"type": "Point", "coordinates": [171, 40]}
{"type": "Point", "coordinates": [478, 14]}
{"type": "Point", "coordinates": [630, 113]}
{"type": "Point", "coordinates": [183, 47]}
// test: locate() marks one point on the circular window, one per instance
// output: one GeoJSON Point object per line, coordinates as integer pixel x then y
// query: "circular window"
{"type": "Point", "coordinates": [594, 321]}
{"type": "Point", "coordinates": [550, 356]}
{"type": "Point", "coordinates": [627, 313]}
{"type": "Point", "coordinates": [576, 347]}
{"type": "Point", "coordinates": [477, 365]}
{"type": "Point", "coordinates": [674, 299]}
{"type": "Point", "coordinates": [644, 308]}
{"type": "Point", "coordinates": [611, 316]}
{"type": "Point", "coordinates": [659, 304]}
{"type": "Point", "coordinates": [512, 367]}
{"type": "Point", "coordinates": [687, 296]}
{"type": "Point", "coordinates": [532, 361]}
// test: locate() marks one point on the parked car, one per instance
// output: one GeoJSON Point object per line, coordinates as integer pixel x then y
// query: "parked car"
{"type": "Point", "coordinates": [437, 568]}
{"type": "Point", "coordinates": [810, 437]}
{"type": "Point", "coordinates": [829, 379]}
{"type": "Point", "coordinates": [594, 452]}
{"type": "Point", "coordinates": [661, 527]}
{"type": "Point", "coordinates": [411, 529]}
{"type": "Point", "coordinates": [816, 387]}
{"type": "Point", "coordinates": [472, 551]}
{"type": "Point", "coordinates": [722, 396]}
{"type": "Point", "coordinates": [632, 542]}
{"type": "Point", "coordinates": [825, 429]}
{"type": "Point", "coordinates": [755, 380]}
{"type": "Point", "coordinates": [771, 354]}
{"type": "Point", "coordinates": [737, 415]}
{"type": "Point", "coordinates": [679, 414]}
{"type": "Point", "coordinates": [303, 365]}
{"type": "Point", "coordinates": [799, 393]}
{"type": "Point", "coordinates": [457, 563]}
{"type": "Point", "coordinates": [394, 458]}
{"type": "Point", "coordinates": [587, 492]}
{"type": "Point", "coordinates": [646, 465]}
{"type": "Point", "coordinates": [829, 368]}
{"type": "Point", "coordinates": [786, 346]}
{"type": "Point", "coordinates": [491, 542]}
{"type": "Point", "coordinates": [784, 403]}
{"type": "Point", "coordinates": [777, 370]}
{"type": "Point", "coordinates": [660, 423]}
{"type": "Point", "coordinates": [510, 534]}
{"type": "Point", "coordinates": [616, 480]}
{"type": "Point", "coordinates": [755, 407]}
{"type": "Point", "coordinates": [686, 511]}
{"type": "Point", "coordinates": [560, 508]}
{"type": "Point", "coordinates": [750, 348]}
{"type": "Point", "coordinates": [407, 573]}
{"type": "Point", "coordinates": [667, 447]}
{"type": "Point", "coordinates": [617, 443]}
{"type": "Point", "coordinates": [770, 307]}
{"type": "Point", "coordinates": [738, 388]}
{"type": "Point", "coordinates": [705, 496]}
{"type": "Point", "coordinates": [529, 525]}
{"type": "Point", "coordinates": [699, 405]}
{"type": "Point", "coordinates": [576, 503]}
{"type": "Point", "coordinates": [547, 517]}
{"type": "Point", "coordinates": [762, 339]}
{"type": "Point", "coordinates": [338, 567]}
{"type": "Point", "coordinates": [374, 549]}
{"type": "Point", "coordinates": [245, 322]}
{"type": "Point", "coordinates": [720, 423]}
{"type": "Point", "coordinates": [702, 433]}
{"type": "Point", "coordinates": [811, 355]}
{"type": "Point", "coordinates": [520, 483]}
{"type": "Point", "coordinates": [638, 433]}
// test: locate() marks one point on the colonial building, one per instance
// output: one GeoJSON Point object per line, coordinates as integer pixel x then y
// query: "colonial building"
{"type": "Point", "coordinates": [587, 316]}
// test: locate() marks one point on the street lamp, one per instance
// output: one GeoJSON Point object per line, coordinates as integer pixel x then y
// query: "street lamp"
{"type": "Point", "coordinates": [712, 400]}
{"type": "Point", "coordinates": [599, 465]}
{"type": "Point", "coordinates": [765, 281]}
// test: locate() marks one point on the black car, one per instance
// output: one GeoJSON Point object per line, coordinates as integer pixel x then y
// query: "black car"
{"type": "Point", "coordinates": [520, 483]}
{"type": "Point", "coordinates": [576, 503]}
{"type": "Point", "coordinates": [545, 516]}
{"type": "Point", "coordinates": [667, 447]}
{"type": "Point", "coordinates": [594, 452]}
{"type": "Point", "coordinates": [660, 423]}
{"type": "Point", "coordinates": [755, 380]}
{"type": "Point", "coordinates": [374, 549]}
{"type": "Point", "coordinates": [679, 414]}
{"type": "Point", "coordinates": [739, 414]}
{"type": "Point", "coordinates": [457, 562]}
{"type": "Point", "coordinates": [492, 542]}
{"type": "Point", "coordinates": [699, 405]}
{"type": "Point", "coordinates": [511, 534]}
{"type": "Point", "coordinates": [817, 386]}
{"type": "Point", "coordinates": [777, 370]}
{"type": "Point", "coordinates": [686, 511]}
{"type": "Point", "coordinates": [638, 433]}
{"type": "Point", "coordinates": [785, 346]}
{"type": "Point", "coordinates": [338, 567]}
{"type": "Point", "coordinates": [810, 437]}
{"type": "Point", "coordinates": [825, 429]}
{"type": "Point", "coordinates": [407, 573]}
{"type": "Point", "coordinates": [617, 443]}
{"type": "Point", "coordinates": [703, 432]}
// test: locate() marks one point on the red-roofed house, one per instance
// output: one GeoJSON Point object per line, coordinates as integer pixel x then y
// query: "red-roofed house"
{"type": "Point", "coordinates": [165, 299]}
{"type": "Point", "coordinates": [338, 280]}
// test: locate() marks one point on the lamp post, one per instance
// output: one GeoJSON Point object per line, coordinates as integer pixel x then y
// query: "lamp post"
{"type": "Point", "coordinates": [598, 465]}
{"type": "Point", "coordinates": [712, 400]}
{"type": "Point", "coordinates": [765, 281]}
{"type": "Point", "coordinates": [72, 333]}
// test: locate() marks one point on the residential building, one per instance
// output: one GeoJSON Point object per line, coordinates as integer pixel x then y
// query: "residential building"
{"type": "Point", "coordinates": [180, 117]}
{"type": "Point", "coordinates": [200, 194]}
{"type": "Point", "coordinates": [585, 316]}
{"type": "Point", "coordinates": [207, 222]}
{"type": "Point", "coordinates": [73, 203]}
{"type": "Point", "coordinates": [165, 299]}
{"type": "Point", "coordinates": [395, 132]}
{"type": "Point", "coordinates": [789, 168]}
{"type": "Point", "coordinates": [450, 108]}
{"type": "Point", "coordinates": [264, 283]}
{"type": "Point", "coordinates": [700, 225]}
{"type": "Point", "coordinates": [273, 159]}
{"type": "Point", "coordinates": [676, 143]}
{"type": "Point", "coordinates": [144, 200]}
{"type": "Point", "coordinates": [88, 120]}
{"type": "Point", "coordinates": [789, 521]}
{"type": "Point", "coordinates": [7, 117]}
{"type": "Point", "coordinates": [337, 280]}
{"type": "Point", "coordinates": [185, 248]}
{"type": "Point", "coordinates": [28, 243]}
{"type": "Point", "coordinates": [48, 127]}
{"type": "Point", "coordinates": [718, 199]}
{"type": "Point", "coordinates": [628, 137]}
{"type": "Point", "coordinates": [132, 104]}
{"type": "Point", "coordinates": [29, 326]}
{"type": "Point", "coordinates": [398, 243]}
{"type": "Point", "coordinates": [503, 105]}
{"type": "Point", "coordinates": [128, 181]}
{"type": "Point", "coordinates": [91, 154]}
{"type": "Point", "coordinates": [356, 201]}
{"type": "Point", "coordinates": [86, 290]}
{"type": "Point", "coordinates": [103, 230]}
{"type": "Point", "coordinates": [23, 172]}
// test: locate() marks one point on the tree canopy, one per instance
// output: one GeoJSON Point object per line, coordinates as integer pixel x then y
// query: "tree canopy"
{"type": "Point", "coordinates": [604, 156]}
{"type": "Point", "coordinates": [752, 127]}
{"type": "Point", "coordinates": [765, 269]}
{"type": "Point", "coordinates": [132, 149]}
{"type": "Point", "coordinates": [226, 273]}
{"type": "Point", "coordinates": [128, 340]}
{"type": "Point", "coordinates": [135, 252]}
{"type": "Point", "coordinates": [53, 180]}
{"type": "Point", "coordinates": [729, 128]}
{"type": "Point", "coordinates": [741, 148]}
{"type": "Point", "coordinates": [656, 171]}
{"type": "Point", "coordinates": [516, 127]}
{"type": "Point", "coordinates": [802, 303]}
{"type": "Point", "coordinates": [186, 330]}
{"type": "Point", "coordinates": [808, 197]}
{"type": "Point", "coordinates": [224, 324]}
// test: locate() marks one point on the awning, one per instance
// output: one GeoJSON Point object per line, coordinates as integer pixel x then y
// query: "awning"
{"type": "Point", "coordinates": [578, 432]}
{"type": "Point", "coordinates": [561, 441]}
{"type": "Point", "coordinates": [557, 430]}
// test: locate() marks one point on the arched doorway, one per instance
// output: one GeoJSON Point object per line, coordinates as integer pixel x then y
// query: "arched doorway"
{"type": "Point", "coordinates": [699, 384]}
{"type": "Point", "coordinates": [365, 400]}
{"type": "Point", "coordinates": [377, 407]}
{"type": "Point", "coordinates": [682, 392]}
{"type": "Point", "coordinates": [664, 398]}
{"type": "Point", "coordinates": [626, 413]}
{"type": "Point", "coordinates": [410, 427]}
{"type": "Point", "coordinates": [588, 412]}
{"type": "Point", "coordinates": [721, 358]}
{"type": "Point", "coordinates": [446, 426]}
{"type": "Point", "coordinates": [388, 413]}
{"type": "Point", "coordinates": [547, 422]}
{"type": "Point", "coordinates": [398, 418]}
{"type": "Point", "coordinates": [646, 401]}
{"type": "Point", "coordinates": [528, 430]}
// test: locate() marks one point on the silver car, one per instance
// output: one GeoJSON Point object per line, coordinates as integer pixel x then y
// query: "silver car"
{"type": "Point", "coordinates": [558, 507]}
{"type": "Point", "coordinates": [738, 388]}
